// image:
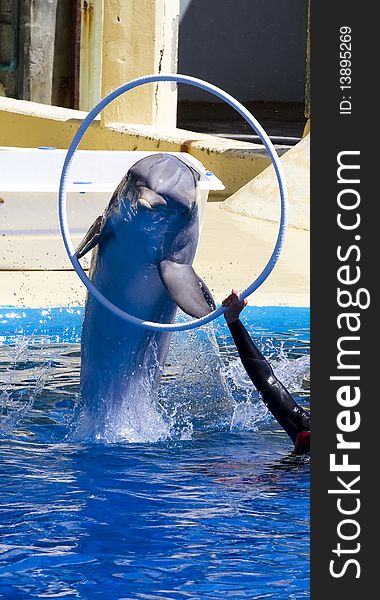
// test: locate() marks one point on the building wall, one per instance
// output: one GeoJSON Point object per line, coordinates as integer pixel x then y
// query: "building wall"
{"type": "Point", "coordinates": [27, 48]}
{"type": "Point", "coordinates": [8, 53]}
{"type": "Point", "coordinates": [254, 49]}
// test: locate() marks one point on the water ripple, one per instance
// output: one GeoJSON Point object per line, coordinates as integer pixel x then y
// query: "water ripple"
{"type": "Point", "coordinates": [224, 513]}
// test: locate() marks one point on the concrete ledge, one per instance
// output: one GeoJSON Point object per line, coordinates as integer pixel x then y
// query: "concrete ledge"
{"type": "Point", "coordinates": [42, 111]}
{"type": "Point", "coordinates": [28, 124]}
{"type": "Point", "coordinates": [260, 198]}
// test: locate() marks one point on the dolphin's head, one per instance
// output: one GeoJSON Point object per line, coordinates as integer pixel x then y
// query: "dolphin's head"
{"type": "Point", "coordinates": [159, 197]}
{"type": "Point", "coordinates": [164, 182]}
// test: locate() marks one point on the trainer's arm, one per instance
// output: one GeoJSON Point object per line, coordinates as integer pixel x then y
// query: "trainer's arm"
{"type": "Point", "coordinates": [292, 417]}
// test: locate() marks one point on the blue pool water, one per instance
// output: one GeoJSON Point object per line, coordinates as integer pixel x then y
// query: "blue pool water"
{"type": "Point", "coordinates": [213, 506]}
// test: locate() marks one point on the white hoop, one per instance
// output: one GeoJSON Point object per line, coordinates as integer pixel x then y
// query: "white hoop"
{"type": "Point", "coordinates": [63, 211]}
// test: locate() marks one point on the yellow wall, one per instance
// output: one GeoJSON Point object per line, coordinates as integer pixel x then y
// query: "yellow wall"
{"type": "Point", "coordinates": [140, 37]}
{"type": "Point", "coordinates": [90, 79]}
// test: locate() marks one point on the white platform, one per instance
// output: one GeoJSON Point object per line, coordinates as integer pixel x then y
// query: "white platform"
{"type": "Point", "coordinates": [29, 181]}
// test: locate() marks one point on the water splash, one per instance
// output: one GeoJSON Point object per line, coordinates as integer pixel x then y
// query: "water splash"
{"type": "Point", "coordinates": [138, 418]}
{"type": "Point", "coordinates": [204, 387]}
{"type": "Point", "coordinates": [38, 386]}
{"type": "Point", "coordinates": [293, 373]}
{"type": "Point", "coordinates": [250, 411]}
{"type": "Point", "coordinates": [21, 383]}
{"type": "Point", "coordinates": [193, 393]}
{"type": "Point", "coordinates": [194, 390]}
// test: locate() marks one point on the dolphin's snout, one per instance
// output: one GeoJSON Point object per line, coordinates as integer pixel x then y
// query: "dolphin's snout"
{"type": "Point", "coordinates": [164, 180]}
{"type": "Point", "coordinates": [150, 199]}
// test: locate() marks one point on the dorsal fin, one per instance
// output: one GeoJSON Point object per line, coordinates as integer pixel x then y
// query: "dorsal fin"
{"type": "Point", "coordinates": [93, 236]}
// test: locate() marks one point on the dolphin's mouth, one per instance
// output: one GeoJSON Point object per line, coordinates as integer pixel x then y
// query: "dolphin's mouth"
{"type": "Point", "coordinates": [149, 199]}
{"type": "Point", "coordinates": [160, 216]}
{"type": "Point", "coordinates": [159, 204]}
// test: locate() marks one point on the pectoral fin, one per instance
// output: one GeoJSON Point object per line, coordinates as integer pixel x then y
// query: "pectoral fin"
{"type": "Point", "coordinates": [93, 236]}
{"type": "Point", "coordinates": [186, 288]}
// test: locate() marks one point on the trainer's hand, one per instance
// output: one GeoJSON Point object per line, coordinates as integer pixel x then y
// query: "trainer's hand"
{"type": "Point", "coordinates": [234, 306]}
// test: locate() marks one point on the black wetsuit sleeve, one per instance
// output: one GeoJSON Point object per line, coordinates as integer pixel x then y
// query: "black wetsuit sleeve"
{"type": "Point", "coordinates": [292, 417]}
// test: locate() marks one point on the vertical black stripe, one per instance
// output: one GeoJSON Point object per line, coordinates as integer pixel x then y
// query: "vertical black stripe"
{"type": "Point", "coordinates": [332, 133]}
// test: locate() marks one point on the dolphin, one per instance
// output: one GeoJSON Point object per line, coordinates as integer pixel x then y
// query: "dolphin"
{"type": "Point", "coordinates": [143, 249]}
